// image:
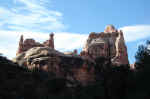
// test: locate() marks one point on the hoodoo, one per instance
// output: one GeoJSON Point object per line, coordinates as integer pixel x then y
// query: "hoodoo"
{"type": "Point", "coordinates": [109, 44]}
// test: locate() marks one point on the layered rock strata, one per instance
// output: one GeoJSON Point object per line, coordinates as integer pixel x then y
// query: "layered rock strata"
{"type": "Point", "coordinates": [109, 44]}
{"type": "Point", "coordinates": [80, 68]}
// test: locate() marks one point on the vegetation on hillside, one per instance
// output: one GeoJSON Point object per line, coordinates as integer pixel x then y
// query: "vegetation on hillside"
{"type": "Point", "coordinates": [140, 88]}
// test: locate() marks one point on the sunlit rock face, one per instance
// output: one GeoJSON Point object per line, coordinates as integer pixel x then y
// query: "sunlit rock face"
{"type": "Point", "coordinates": [80, 68]}
{"type": "Point", "coordinates": [27, 44]}
{"type": "Point", "coordinates": [110, 29]}
{"type": "Point", "coordinates": [108, 44]}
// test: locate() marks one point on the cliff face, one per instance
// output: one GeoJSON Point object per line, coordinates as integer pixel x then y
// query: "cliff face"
{"type": "Point", "coordinates": [109, 44]}
{"type": "Point", "coordinates": [77, 68]}
{"type": "Point", "coordinates": [72, 67]}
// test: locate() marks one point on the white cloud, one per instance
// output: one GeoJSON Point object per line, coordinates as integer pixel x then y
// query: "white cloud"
{"type": "Point", "coordinates": [69, 41]}
{"type": "Point", "coordinates": [37, 17]}
{"type": "Point", "coordinates": [136, 32]}
{"type": "Point", "coordinates": [3, 50]}
{"type": "Point", "coordinates": [9, 51]}
{"type": "Point", "coordinates": [148, 47]}
{"type": "Point", "coordinates": [31, 15]}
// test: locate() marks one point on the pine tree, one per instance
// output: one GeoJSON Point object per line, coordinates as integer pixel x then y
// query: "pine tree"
{"type": "Point", "coordinates": [143, 56]}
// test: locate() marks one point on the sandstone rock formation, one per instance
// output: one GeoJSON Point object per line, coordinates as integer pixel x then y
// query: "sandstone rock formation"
{"type": "Point", "coordinates": [80, 68]}
{"type": "Point", "coordinates": [72, 67]}
{"type": "Point", "coordinates": [25, 45]}
{"type": "Point", "coordinates": [109, 44]}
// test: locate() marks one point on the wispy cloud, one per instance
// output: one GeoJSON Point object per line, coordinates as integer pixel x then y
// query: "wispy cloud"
{"type": "Point", "coordinates": [136, 32]}
{"type": "Point", "coordinates": [23, 16]}
{"type": "Point", "coordinates": [31, 15]}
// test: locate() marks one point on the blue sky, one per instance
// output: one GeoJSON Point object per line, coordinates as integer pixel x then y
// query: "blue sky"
{"type": "Point", "coordinates": [72, 21]}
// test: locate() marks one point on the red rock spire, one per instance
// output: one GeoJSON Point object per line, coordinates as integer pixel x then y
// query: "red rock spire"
{"type": "Point", "coordinates": [51, 40]}
{"type": "Point", "coordinates": [20, 48]}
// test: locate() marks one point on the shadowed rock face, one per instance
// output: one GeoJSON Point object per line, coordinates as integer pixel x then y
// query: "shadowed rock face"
{"type": "Point", "coordinates": [81, 68]}
{"type": "Point", "coordinates": [72, 67]}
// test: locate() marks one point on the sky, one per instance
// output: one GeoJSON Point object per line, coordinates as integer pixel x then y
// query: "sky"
{"type": "Point", "coordinates": [72, 21]}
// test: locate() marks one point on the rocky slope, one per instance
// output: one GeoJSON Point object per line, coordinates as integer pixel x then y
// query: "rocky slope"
{"type": "Point", "coordinates": [19, 82]}
{"type": "Point", "coordinates": [72, 67]}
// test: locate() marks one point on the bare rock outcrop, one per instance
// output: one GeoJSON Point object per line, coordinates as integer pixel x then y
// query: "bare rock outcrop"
{"type": "Point", "coordinates": [72, 67]}
{"type": "Point", "coordinates": [26, 44]}
{"type": "Point", "coordinates": [109, 44]}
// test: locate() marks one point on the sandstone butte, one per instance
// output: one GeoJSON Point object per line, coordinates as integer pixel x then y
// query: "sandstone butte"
{"type": "Point", "coordinates": [109, 44]}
